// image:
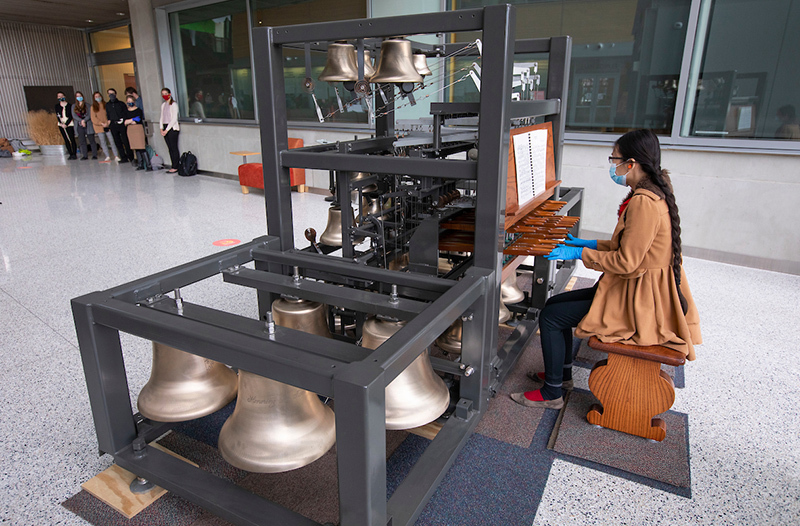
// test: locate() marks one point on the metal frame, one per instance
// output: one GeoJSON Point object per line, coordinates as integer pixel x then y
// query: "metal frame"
{"type": "Point", "coordinates": [355, 377]}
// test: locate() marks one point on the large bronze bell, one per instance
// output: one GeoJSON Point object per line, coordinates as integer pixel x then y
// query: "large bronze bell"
{"type": "Point", "coordinates": [396, 63]}
{"type": "Point", "coordinates": [340, 65]}
{"type": "Point", "coordinates": [421, 64]}
{"type": "Point", "coordinates": [450, 340]}
{"type": "Point", "coordinates": [332, 236]}
{"type": "Point", "coordinates": [417, 396]}
{"type": "Point", "coordinates": [184, 386]}
{"type": "Point", "coordinates": [278, 427]}
{"type": "Point", "coordinates": [509, 292]}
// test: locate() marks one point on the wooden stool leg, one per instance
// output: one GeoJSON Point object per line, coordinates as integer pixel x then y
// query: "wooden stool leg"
{"type": "Point", "coordinates": [632, 392]}
{"type": "Point", "coordinates": [245, 190]}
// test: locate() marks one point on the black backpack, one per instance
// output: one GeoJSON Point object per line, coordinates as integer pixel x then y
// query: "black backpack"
{"type": "Point", "coordinates": [188, 164]}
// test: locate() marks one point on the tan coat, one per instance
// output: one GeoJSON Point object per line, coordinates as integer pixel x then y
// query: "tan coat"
{"type": "Point", "coordinates": [99, 118]}
{"type": "Point", "coordinates": [636, 300]}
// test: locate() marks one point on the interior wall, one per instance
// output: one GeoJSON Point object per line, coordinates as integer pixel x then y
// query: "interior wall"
{"type": "Point", "coordinates": [35, 55]}
{"type": "Point", "coordinates": [739, 208]}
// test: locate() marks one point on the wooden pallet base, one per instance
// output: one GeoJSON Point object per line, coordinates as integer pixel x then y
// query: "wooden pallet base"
{"type": "Point", "coordinates": [112, 486]}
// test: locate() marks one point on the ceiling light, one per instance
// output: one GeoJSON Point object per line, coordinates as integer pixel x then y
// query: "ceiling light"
{"type": "Point", "coordinates": [89, 20]}
{"type": "Point", "coordinates": [121, 14]}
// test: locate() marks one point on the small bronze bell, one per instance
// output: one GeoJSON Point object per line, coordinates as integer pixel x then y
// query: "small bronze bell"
{"type": "Point", "coordinates": [417, 396]}
{"type": "Point", "coordinates": [340, 65]}
{"type": "Point", "coordinates": [450, 340]}
{"type": "Point", "coordinates": [184, 386]}
{"type": "Point", "coordinates": [278, 427]}
{"type": "Point", "coordinates": [358, 176]}
{"type": "Point", "coordinates": [421, 64]}
{"type": "Point", "coordinates": [509, 292]}
{"type": "Point", "coordinates": [332, 236]}
{"type": "Point", "coordinates": [396, 63]}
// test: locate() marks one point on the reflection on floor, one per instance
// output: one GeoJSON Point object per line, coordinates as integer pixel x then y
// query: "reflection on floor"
{"type": "Point", "coordinates": [72, 227]}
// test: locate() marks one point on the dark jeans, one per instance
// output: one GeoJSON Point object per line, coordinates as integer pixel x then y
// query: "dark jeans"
{"type": "Point", "coordinates": [120, 135]}
{"type": "Point", "coordinates": [561, 313]}
{"type": "Point", "coordinates": [171, 138]}
{"type": "Point", "coordinates": [68, 134]}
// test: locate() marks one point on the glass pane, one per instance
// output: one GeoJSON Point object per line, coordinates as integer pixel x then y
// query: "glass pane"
{"type": "Point", "coordinates": [748, 78]}
{"type": "Point", "coordinates": [116, 76]}
{"type": "Point", "coordinates": [626, 57]}
{"type": "Point", "coordinates": [110, 39]}
{"type": "Point", "coordinates": [211, 49]}
{"type": "Point", "coordinates": [299, 103]}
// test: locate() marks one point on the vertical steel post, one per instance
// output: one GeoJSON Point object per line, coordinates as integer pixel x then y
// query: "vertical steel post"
{"type": "Point", "coordinates": [271, 95]}
{"type": "Point", "coordinates": [557, 88]}
{"type": "Point", "coordinates": [480, 334]}
{"type": "Point", "coordinates": [106, 381]}
{"type": "Point", "coordinates": [359, 391]}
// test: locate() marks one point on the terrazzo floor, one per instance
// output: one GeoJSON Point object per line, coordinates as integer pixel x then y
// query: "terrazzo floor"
{"type": "Point", "coordinates": [71, 227]}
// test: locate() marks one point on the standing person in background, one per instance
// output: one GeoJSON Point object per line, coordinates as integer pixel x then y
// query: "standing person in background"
{"type": "Point", "coordinates": [134, 122]}
{"type": "Point", "coordinates": [83, 122]}
{"type": "Point", "coordinates": [197, 110]}
{"type": "Point", "coordinates": [117, 113]}
{"type": "Point", "coordinates": [65, 124]}
{"type": "Point", "coordinates": [100, 124]}
{"type": "Point", "coordinates": [170, 128]}
{"type": "Point", "coordinates": [130, 90]}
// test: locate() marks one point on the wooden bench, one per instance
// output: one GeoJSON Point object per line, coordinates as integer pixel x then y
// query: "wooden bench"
{"type": "Point", "coordinates": [632, 388]}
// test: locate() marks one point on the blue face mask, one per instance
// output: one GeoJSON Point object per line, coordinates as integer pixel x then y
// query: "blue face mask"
{"type": "Point", "coordinates": [619, 179]}
{"type": "Point", "coordinates": [79, 99]}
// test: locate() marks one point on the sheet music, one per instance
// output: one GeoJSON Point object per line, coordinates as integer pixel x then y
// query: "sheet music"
{"type": "Point", "coordinates": [530, 158]}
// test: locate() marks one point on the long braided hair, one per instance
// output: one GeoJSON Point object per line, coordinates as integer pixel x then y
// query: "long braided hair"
{"type": "Point", "coordinates": [643, 147]}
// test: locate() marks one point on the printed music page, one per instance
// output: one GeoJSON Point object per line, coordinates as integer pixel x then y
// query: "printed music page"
{"type": "Point", "coordinates": [530, 159]}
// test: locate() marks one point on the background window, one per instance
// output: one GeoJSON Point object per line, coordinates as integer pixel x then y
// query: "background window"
{"type": "Point", "coordinates": [747, 83]}
{"type": "Point", "coordinates": [211, 49]}
{"type": "Point", "coordinates": [299, 104]}
{"type": "Point", "coordinates": [110, 39]}
{"type": "Point", "coordinates": [626, 58]}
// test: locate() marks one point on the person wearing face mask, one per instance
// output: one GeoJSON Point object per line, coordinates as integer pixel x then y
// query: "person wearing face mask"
{"type": "Point", "coordinates": [83, 122]}
{"type": "Point", "coordinates": [642, 298]}
{"type": "Point", "coordinates": [117, 112]}
{"type": "Point", "coordinates": [100, 124]}
{"type": "Point", "coordinates": [197, 110]}
{"type": "Point", "coordinates": [134, 122]}
{"type": "Point", "coordinates": [168, 123]}
{"type": "Point", "coordinates": [66, 125]}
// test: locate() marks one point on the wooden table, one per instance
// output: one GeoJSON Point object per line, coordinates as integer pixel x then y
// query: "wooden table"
{"type": "Point", "coordinates": [244, 155]}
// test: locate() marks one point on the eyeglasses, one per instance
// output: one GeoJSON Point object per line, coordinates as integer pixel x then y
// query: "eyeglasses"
{"type": "Point", "coordinates": [612, 159]}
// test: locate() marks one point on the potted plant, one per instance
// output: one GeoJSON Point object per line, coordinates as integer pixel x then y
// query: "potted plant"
{"type": "Point", "coordinates": [43, 129]}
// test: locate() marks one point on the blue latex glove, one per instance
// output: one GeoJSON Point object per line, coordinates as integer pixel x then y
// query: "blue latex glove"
{"type": "Point", "coordinates": [137, 119]}
{"type": "Point", "coordinates": [564, 252]}
{"type": "Point", "coordinates": [578, 242]}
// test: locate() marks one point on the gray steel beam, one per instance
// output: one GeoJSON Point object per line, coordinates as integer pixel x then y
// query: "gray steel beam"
{"type": "Point", "coordinates": [274, 136]}
{"type": "Point", "coordinates": [188, 273]}
{"type": "Point", "coordinates": [221, 497]}
{"type": "Point", "coordinates": [104, 369]}
{"type": "Point", "coordinates": [397, 353]}
{"type": "Point", "coordinates": [409, 499]}
{"type": "Point", "coordinates": [449, 21]}
{"type": "Point", "coordinates": [279, 356]}
{"type": "Point", "coordinates": [442, 168]}
{"type": "Point", "coordinates": [349, 298]}
{"type": "Point", "coordinates": [359, 392]}
{"type": "Point", "coordinates": [518, 109]}
{"type": "Point", "coordinates": [346, 268]}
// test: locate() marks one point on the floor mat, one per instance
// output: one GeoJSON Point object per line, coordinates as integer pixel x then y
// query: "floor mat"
{"type": "Point", "coordinates": [660, 464]}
